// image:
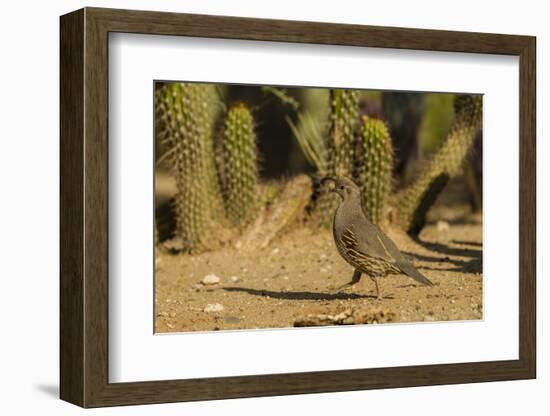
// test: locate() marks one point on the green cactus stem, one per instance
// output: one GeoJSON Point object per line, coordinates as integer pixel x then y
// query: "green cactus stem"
{"type": "Point", "coordinates": [344, 109]}
{"type": "Point", "coordinates": [184, 124]}
{"type": "Point", "coordinates": [373, 167]}
{"type": "Point", "coordinates": [238, 165]}
{"type": "Point", "coordinates": [418, 197]}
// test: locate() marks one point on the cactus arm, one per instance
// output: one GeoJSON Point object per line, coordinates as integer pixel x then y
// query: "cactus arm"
{"type": "Point", "coordinates": [417, 199]}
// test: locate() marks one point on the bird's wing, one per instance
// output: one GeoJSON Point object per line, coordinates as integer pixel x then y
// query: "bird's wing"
{"type": "Point", "coordinates": [402, 262]}
{"type": "Point", "coordinates": [389, 245]}
{"type": "Point", "coordinates": [360, 243]}
{"type": "Point", "coordinates": [374, 243]}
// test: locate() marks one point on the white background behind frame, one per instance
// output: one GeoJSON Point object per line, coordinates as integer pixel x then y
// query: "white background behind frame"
{"type": "Point", "coordinates": [33, 387]}
{"type": "Point", "coordinates": [136, 60]}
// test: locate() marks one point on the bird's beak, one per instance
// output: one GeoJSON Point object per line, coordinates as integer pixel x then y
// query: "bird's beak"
{"type": "Point", "coordinates": [326, 180]}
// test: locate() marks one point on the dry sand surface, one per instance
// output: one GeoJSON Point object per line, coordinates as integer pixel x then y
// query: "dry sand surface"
{"type": "Point", "coordinates": [294, 282]}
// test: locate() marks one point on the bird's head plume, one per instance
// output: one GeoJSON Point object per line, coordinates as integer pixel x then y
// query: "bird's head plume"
{"type": "Point", "coordinates": [343, 186]}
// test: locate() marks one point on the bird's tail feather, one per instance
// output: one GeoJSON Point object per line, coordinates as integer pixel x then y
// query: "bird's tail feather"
{"type": "Point", "coordinates": [410, 270]}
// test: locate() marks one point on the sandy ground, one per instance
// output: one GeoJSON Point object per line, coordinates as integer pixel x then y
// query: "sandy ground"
{"type": "Point", "coordinates": [293, 282]}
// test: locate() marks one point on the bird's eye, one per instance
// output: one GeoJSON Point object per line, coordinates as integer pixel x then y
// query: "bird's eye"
{"type": "Point", "coordinates": [342, 187]}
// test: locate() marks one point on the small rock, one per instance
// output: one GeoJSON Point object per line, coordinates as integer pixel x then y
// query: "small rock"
{"type": "Point", "coordinates": [275, 251]}
{"type": "Point", "coordinates": [232, 320]}
{"type": "Point", "coordinates": [340, 317]}
{"type": "Point", "coordinates": [442, 226]}
{"type": "Point", "coordinates": [210, 279]}
{"type": "Point", "coordinates": [213, 307]}
{"type": "Point", "coordinates": [235, 279]}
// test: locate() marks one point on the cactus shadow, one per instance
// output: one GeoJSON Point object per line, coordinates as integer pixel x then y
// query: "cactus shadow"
{"type": "Point", "coordinates": [473, 265]}
{"type": "Point", "coordinates": [467, 243]}
{"type": "Point", "coordinates": [432, 259]}
{"type": "Point", "coordinates": [300, 295]}
{"type": "Point", "coordinates": [445, 249]}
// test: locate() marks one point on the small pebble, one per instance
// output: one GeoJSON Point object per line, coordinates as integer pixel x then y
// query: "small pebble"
{"type": "Point", "coordinates": [213, 307]}
{"type": "Point", "coordinates": [442, 226]}
{"type": "Point", "coordinates": [232, 320]}
{"type": "Point", "coordinates": [210, 279]}
{"type": "Point", "coordinates": [235, 279]}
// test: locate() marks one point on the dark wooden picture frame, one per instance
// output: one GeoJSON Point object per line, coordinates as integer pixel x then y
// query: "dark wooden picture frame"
{"type": "Point", "coordinates": [84, 207]}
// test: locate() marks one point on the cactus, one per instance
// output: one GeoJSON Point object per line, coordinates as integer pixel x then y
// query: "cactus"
{"type": "Point", "coordinates": [436, 122]}
{"type": "Point", "coordinates": [373, 167]}
{"type": "Point", "coordinates": [344, 108]}
{"type": "Point", "coordinates": [184, 124]}
{"type": "Point", "coordinates": [418, 197]}
{"type": "Point", "coordinates": [238, 169]}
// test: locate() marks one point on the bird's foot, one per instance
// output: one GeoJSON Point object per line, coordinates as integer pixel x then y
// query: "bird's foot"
{"type": "Point", "coordinates": [386, 296]}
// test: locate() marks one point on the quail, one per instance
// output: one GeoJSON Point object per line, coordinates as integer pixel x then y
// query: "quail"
{"type": "Point", "coordinates": [361, 243]}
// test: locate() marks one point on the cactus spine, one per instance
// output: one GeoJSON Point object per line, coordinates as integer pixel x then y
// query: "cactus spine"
{"type": "Point", "coordinates": [184, 123]}
{"type": "Point", "coordinates": [373, 167]}
{"type": "Point", "coordinates": [446, 163]}
{"type": "Point", "coordinates": [344, 109]}
{"type": "Point", "coordinates": [238, 167]}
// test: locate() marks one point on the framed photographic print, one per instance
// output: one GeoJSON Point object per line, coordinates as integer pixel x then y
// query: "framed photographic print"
{"type": "Point", "coordinates": [256, 207]}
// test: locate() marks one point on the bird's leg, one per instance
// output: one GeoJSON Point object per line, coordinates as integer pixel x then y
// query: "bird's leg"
{"type": "Point", "coordinates": [355, 278]}
{"type": "Point", "coordinates": [375, 280]}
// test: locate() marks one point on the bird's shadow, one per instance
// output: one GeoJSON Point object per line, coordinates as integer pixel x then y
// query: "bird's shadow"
{"type": "Point", "coordinates": [299, 295]}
